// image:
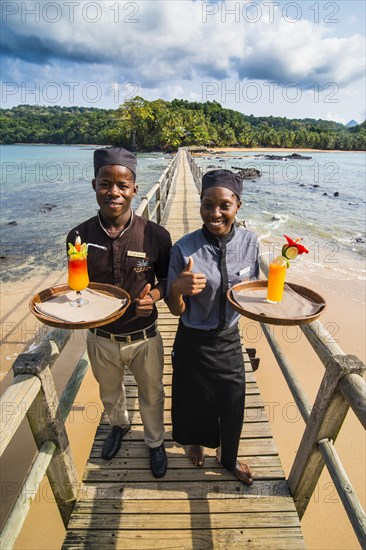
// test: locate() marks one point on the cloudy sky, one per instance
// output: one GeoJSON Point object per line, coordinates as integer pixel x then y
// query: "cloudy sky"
{"type": "Point", "coordinates": [264, 57]}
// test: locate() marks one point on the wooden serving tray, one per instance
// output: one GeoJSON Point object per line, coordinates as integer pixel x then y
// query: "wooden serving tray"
{"type": "Point", "coordinates": [102, 288]}
{"type": "Point", "coordinates": [273, 314]}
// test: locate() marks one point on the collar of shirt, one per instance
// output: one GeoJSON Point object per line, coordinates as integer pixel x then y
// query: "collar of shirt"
{"type": "Point", "coordinates": [129, 224]}
{"type": "Point", "coordinates": [218, 241]}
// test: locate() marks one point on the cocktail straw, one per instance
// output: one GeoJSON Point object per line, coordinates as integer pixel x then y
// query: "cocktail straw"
{"type": "Point", "coordinates": [98, 246]}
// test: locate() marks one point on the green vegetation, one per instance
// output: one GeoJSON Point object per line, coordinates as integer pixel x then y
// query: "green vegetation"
{"type": "Point", "coordinates": [165, 125]}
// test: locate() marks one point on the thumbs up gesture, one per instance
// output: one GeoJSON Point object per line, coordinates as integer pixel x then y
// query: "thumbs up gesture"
{"type": "Point", "coordinates": [145, 291]}
{"type": "Point", "coordinates": [189, 283]}
{"type": "Point", "coordinates": [189, 265]}
{"type": "Point", "coordinates": [144, 303]}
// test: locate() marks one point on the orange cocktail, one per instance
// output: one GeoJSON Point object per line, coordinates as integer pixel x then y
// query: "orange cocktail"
{"type": "Point", "coordinates": [78, 270]}
{"type": "Point", "coordinates": [276, 280]}
{"type": "Point", "coordinates": [78, 273]}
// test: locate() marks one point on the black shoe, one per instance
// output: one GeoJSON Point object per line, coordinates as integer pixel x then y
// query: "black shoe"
{"type": "Point", "coordinates": [113, 442]}
{"type": "Point", "coordinates": [158, 460]}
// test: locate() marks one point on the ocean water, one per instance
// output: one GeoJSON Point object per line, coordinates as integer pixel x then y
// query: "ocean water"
{"type": "Point", "coordinates": [46, 190]}
{"type": "Point", "coordinates": [321, 199]}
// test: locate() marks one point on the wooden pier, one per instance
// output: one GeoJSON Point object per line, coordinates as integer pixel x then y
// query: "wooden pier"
{"type": "Point", "coordinates": [119, 504]}
{"type": "Point", "coordinates": [123, 506]}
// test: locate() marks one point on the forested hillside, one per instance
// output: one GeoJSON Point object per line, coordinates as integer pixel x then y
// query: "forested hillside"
{"type": "Point", "coordinates": [144, 125]}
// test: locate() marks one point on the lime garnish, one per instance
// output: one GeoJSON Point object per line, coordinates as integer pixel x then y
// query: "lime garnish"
{"type": "Point", "coordinates": [78, 252]}
{"type": "Point", "coordinates": [289, 252]}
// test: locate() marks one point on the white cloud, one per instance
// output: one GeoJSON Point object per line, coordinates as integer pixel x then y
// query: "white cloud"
{"type": "Point", "coordinates": [170, 41]}
{"type": "Point", "coordinates": [165, 49]}
{"type": "Point", "coordinates": [335, 117]}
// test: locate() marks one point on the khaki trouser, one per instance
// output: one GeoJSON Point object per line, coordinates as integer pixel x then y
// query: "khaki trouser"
{"type": "Point", "coordinates": [145, 359]}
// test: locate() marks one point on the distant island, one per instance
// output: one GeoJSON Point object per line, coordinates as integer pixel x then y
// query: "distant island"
{"type": "Point", "coordinates": [162, 125]}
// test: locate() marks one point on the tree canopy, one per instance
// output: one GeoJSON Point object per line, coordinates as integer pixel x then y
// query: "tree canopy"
{"type": "Point", "coordinates": [144, 125]}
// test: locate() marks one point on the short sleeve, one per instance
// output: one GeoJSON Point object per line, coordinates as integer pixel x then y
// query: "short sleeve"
{"type": "Point", "coordinates": [176, 266]}
{"type": "Point", "coordinates": [162, 264]}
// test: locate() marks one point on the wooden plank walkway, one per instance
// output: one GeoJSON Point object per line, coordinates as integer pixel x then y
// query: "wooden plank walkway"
{"type": "Point", "coordinates": [121, 505]}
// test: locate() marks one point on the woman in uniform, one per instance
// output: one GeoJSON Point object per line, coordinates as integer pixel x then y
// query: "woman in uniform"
{"type": "Point", "coordinates": [208, 367]}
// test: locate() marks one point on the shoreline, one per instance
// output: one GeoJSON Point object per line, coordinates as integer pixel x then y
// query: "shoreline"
{"type": "Point", "coordinates": [209, 149]}
{"type": "Point", "coordinates": [282, 150]}
{"type": "Point", "coordinates": [21, 143]}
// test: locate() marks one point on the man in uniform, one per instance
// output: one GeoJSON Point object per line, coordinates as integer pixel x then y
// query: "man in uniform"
{"type": "Point", "coordinates": [136, 258]}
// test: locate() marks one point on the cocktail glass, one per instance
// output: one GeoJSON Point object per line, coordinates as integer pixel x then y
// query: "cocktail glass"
{"type": "Point", "coordinates": [78, 278]}
{"type": "Point", "coordinates": [276, 280]}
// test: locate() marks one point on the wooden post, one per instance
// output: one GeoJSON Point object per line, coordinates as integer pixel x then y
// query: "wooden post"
{"type": "Point", "coordinates": [158, 211]}
{"type": "Point", "coordinates": [45, 420]}
{"type": "Point", "coordinates": [18, 397]}
{"type": "Point", "coordinates": [163, 195]}
{"type": "Point", "coordinates": [353, 388]}
{"type": "Point", "coordinates": [326, 418]}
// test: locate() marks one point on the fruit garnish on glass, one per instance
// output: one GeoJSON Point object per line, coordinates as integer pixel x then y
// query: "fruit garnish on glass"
{"type": "Point", "coordinates": [278, 268]}
{"type": "Point", "coordinates": [292, 249]}
{"type": "Point", "coordinates": [78, 270]}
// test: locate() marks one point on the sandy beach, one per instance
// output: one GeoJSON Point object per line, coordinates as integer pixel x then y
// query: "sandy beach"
{"type": "Point", "coordinates": [278, 150]}
{"type": "Point", "coordinates": [325, 524]}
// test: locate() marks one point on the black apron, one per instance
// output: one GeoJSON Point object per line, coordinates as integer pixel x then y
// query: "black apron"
{"type": "Point", "coordinates": [208, 390]}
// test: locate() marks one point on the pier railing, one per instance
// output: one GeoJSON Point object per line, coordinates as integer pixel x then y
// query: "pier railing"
{"type": "Point", "coordinates": [32, 395]}
{"type": "Point", "coordinates": [342, 387]}
{"type": "Point", "coordinates": [153, 203]}
{"type": "Point", "coordinates": [196, 171]}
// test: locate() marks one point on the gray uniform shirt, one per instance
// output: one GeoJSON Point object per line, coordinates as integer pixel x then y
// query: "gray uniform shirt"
{"type": "Point", "coordinates": [225, 262]}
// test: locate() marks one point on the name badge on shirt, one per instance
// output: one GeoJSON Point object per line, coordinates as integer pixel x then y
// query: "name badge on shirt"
{"type": "Point", "coordinates": [244, 271]}
{"type": "Point", "coordinates": [135, 254]}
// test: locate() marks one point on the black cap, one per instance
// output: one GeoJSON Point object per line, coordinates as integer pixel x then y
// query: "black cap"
{"type": "Point", "coordinates": [114, 155]}
{"type": "Point", "coordinates": [223, 178]}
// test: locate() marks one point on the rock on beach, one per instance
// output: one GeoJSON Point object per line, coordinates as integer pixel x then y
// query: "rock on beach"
{"type": "Point", "coordinates": [248, 173]}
